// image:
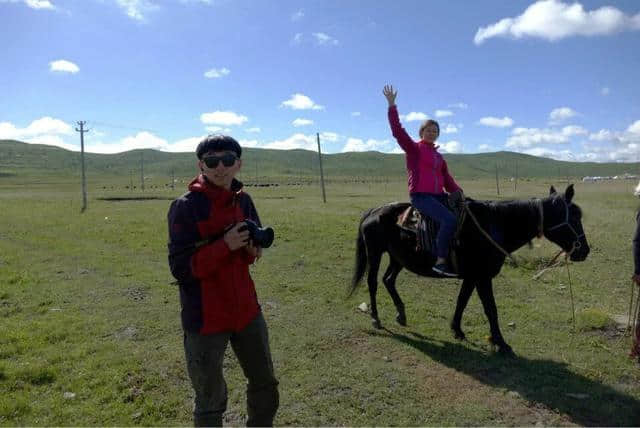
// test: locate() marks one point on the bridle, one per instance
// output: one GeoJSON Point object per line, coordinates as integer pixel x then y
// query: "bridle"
{"type": "Point", "coordinates": [541, 231]}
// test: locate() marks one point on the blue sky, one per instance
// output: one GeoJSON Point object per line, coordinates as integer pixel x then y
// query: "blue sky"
{"type": "Point", "coordinates": [551, 78]}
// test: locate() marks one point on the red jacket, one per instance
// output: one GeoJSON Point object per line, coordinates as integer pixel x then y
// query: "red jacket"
{"type": "Point", "coordinates": [426, 168]}
{"type": "Point", "coordinates": [216, 290]}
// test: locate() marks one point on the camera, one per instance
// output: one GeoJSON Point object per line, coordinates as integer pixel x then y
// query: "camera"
{"type": "Point", "coordinates": [262, 237]}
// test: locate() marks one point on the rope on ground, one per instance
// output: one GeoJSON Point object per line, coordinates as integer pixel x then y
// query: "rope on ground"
{"type": "Point", "coordinates": [635, 346]}
{"type": "Point", "coordinates": [573, 308]}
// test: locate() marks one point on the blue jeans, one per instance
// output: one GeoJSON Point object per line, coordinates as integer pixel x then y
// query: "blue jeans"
{"type": "Point", "coordinates": [433, 206]}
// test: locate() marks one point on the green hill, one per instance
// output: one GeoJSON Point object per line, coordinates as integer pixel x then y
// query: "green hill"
{"type": "Point", "coordinates": [20, 161]}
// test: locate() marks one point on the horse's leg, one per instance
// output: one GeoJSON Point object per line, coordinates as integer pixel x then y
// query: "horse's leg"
{"type": "Point", "coordinates": [485, 291]}
{"type": "Point", "coordinates": [389, 280]}
{"type": "Point", "coordinates": [372, 280]}
{"type": "Point", "coordinates": [463, 298]}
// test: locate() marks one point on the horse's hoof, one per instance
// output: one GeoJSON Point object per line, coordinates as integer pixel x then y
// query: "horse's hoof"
{"type": "Point", "coordinates": [401, 319]}
{"type": "Point", "coordinates": [459, 334]}
{"type": "Point", "coordinates": [506, 351]}
{"type": "Point", "coordinates": [376, 324]}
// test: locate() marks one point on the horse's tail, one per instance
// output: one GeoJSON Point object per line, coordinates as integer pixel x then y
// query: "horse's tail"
{"type": "Point", "coordinates": [361, 257]}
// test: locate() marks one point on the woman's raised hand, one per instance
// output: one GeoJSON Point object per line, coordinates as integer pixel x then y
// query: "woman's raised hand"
{"type": "Point", "coordinates": [390, 94]}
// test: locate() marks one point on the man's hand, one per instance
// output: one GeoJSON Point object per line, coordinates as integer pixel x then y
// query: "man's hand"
{"type": "Point", "coordinates": [254, 251]}
{"type": "Point", "coordinates": [236, 239]}
{"type": "Point", "coordinates": [390, 94]}
{"type": "Point", "coordinates": [636, 278]}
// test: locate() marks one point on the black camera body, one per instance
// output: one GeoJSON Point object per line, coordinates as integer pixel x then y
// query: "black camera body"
{"type": "Point", "coordinates": [261, 237]}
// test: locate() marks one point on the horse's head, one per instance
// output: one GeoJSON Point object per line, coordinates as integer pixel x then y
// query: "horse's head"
{"type": "Point", "coordinates": [563, 223]}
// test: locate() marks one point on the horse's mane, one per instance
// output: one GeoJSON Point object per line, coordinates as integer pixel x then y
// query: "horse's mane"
{"type": "Point", "coordinates": [506, 212]}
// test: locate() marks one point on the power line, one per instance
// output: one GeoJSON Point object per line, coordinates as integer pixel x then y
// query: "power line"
{"type": "Point", "coordinates": [132, 128]}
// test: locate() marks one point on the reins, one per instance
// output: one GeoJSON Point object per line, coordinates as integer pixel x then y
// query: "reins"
{"type": "Point", "coordinates": [486, 235]}
{"type": "Point", "coordinates": [552, 263]}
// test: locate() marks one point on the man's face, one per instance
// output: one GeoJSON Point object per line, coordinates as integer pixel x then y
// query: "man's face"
{"type": "Point", "coordinates": [220, 167]}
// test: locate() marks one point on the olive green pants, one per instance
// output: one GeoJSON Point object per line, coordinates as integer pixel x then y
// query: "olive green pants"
{"type": "Point", "coordinates": [205, 353]}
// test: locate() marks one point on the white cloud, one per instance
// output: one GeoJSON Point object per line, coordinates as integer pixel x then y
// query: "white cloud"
{"type": "Point", "coordinates": [415, 116]}
{"type": "Point", "coordinates": [324, 39]}
{"type": "Point", "coordinates": [529, 137]}
{"type": "Point", "coordinates": [43, 126]}
{"type": "Point", "coordinates": [329, 136]}
{"type": "Point", "coordinates": [216, 73]}
{"type": "Point", "coordinates": [63, 66]}
{"type": "Point", "coordinates": [39, 4]}
{"type": "Point", "coordinates": [297, 39]}
{"type": "Point", "coordinates": [218, 130]}
{"type": "Point", "coordinates": [634, 127]}
{"type": "Point", "coordinates": [356, 114]}
{"type": "Point", "coordinates": [443, 113]}
{"type": "Point", "coordinates": [562, 113]}
{"type": "Point", "coordinates": [33, 4]}
{"type": "Point", "coordinates": [301, 102]}
{"type": "Point", "coordinates": [451, 147]}
{"type": "Point", "coordinates": [450, 129]}
{"type": "Point", "coordinates": [144, 140]}
{"type": "Point", "coordinates": [554, 20]}
{"type": "Point", "coordinates": [485, 148]}
{"type": "Point", "coordinates": [302, 122]}
{"type": "Point", "coordinates": [359, 145]}
{"type": "Point", "coordinates": [184, 145]}
{"type": "Point", "coordinates": [249, 143]}
{"type": "Point", "coordinates": [297, 16]}
{"type": "Point", "coordinates": [572, 130]}
{"type": "Point", "coordinates": [605, 91]}
{"type": "Point", "coordinates": [296, 141]}
{"type": "Point", "coordinates": [223, 118]}
{"type": "Point", "coordinates": [602, 135]}
{"type": "Point", "coordinates": [253, 130]}
{"type": "Point", "coordinates": [496, 122]}
{"type": "Point", "coordinates": [136, 9]}
{"type": "Point", "coordinates": [461, 106]}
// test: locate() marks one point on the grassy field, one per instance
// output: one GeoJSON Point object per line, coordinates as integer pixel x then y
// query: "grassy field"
{"type": "Point", "coordinates": [91, 333]}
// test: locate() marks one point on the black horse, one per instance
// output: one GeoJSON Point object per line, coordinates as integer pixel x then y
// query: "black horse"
{"type": "Point", "coordinates": [511, 224]}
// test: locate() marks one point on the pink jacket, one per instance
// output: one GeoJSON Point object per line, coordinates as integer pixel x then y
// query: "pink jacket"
{"type": "Point", "coordinates": [426, 168]}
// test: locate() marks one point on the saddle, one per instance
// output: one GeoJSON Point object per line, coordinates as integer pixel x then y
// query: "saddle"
{"type": "Point", "coordinates": [426, 229]}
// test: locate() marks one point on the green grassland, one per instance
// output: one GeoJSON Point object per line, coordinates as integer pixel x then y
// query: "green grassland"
{"type": "Point", "coordinates": [30, 162]}
{"type": "Point", "coordinates": [90, 331]}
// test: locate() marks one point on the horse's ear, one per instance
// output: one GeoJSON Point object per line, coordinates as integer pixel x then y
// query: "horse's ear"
{"type": "Point", "coordinates": [552, 190]}
{"type": "Point", "coordinates": [568, 194]}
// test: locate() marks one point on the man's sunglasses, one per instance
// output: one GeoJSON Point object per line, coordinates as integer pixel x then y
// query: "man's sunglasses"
{"type": "Point", "coordinates": [227, 160]}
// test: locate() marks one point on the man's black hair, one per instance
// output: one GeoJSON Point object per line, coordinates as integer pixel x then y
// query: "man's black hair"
{"type": "Point", "coordinates": [218, 143]}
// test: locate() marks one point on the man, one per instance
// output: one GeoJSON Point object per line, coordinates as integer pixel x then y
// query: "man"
{"type": "Point", "coordinates": [217, 294]}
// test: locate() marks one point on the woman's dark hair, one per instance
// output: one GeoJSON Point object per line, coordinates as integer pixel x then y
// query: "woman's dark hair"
{"type": "Point", "coordinates": [427, 123]}
{"type": "Point", "coordinates": [218, 143]}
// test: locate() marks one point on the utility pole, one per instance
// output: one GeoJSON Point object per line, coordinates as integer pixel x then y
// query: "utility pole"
{"type": "Point", "coordinates": [515, 184]}
{"type": "Point", "coordinates": [84, 179]}
{"type": "Point", "coordinates": [324, 196]}
{"type": "Point", "coordinates": [497, 183]}
{"type": "Point", "coordinates": [142, 170]}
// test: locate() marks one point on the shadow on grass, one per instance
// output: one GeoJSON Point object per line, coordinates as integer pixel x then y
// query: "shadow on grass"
{"type": "Point", "coordinates": [136, 198]}
{"type": "Point", "coordinates": [548, 382]}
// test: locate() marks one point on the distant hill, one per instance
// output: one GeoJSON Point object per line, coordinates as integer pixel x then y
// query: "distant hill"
{"type": "Point", "coordinates": [21, 161]}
